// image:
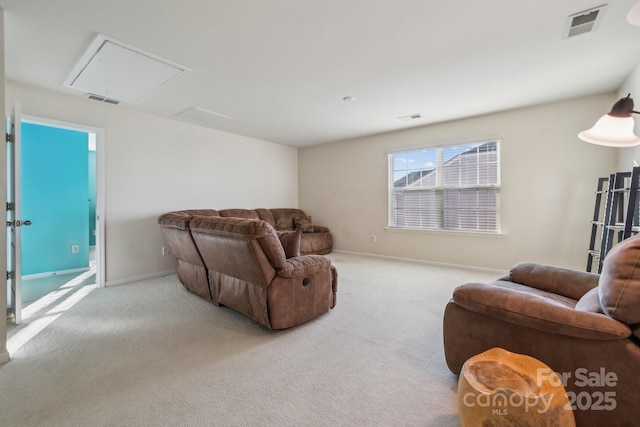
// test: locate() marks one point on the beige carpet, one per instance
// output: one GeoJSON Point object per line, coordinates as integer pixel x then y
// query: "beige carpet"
{"type": "Point", "coordinates": [151, 354]}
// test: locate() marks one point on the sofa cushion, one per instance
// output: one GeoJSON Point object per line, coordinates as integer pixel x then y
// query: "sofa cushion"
{"type": "Point", "coordinates": [556, 280]}
{"type": "Point", "coordinates": [266, 215]}
{"type": "Point", "coordinates": [304, 224]}
{"type": "Point", "coordinates": [240, 213]}
{"type": "Point", "coordinates": [245, 229]}
{"type": "Point", "coordinates": [181, 219]}
{"type": "Point", "coordinates": [201, 212]}
{"type": "Point", "coordinates": [272, 247]}
{"type": "Point", "coordinates": [536, 311]}
{"type": "Point", "coordinates": [590, 302]}
{"type": "Point", "coordinates": [284, 217]}
{"type": "Point", "coordinates": [619, 284]}
{"type": "Point", "coordinates": [290, 242]}
{"type": "Point", "coordinates": [174, 220]}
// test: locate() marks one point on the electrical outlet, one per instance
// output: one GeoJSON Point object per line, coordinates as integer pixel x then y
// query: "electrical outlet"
{"type": "Point", "coordinates": [374, 238]}
{"type": "Point", "coordinates": [165, 251]}
{"type": "Point", "coordinates": [75, 249]}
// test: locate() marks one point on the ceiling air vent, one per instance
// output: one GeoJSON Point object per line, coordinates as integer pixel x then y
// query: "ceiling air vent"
{"type": "Point", "coordinates": [102, 99]}
{"type": "Point", "coordinates": [411, 117]}
{"type": "Point", "coordinates": [584, 22]}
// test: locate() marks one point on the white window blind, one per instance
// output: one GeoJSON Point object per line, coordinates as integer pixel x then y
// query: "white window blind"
{"type": "Point", "coordinates": [453, 187]}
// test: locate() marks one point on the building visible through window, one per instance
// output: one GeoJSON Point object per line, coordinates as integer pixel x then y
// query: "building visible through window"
{"type": "Point", "coordinates": [453, 187]}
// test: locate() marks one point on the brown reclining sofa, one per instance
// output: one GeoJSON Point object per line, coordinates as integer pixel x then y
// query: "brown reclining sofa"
{"type": "Point", "coordinates": [245, 264]}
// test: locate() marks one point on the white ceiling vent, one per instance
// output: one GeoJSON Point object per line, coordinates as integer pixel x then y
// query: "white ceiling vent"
{"type": "Point", "coordinates": [584, 22]}
{"type": "Point", "coordinates": [116, 71]}
{"type": "Point", "coordinates": [411, 117]}
{"type": "Point", "coordinates": [201, 117]}
{"type": "Point", "coordinates": [102, 99]}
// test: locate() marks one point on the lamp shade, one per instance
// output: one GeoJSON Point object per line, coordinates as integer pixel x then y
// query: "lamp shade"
{"type": "Point", "coordinates": [612, 132]}
{"type": "Point", "coordinates": [614, 129]}
{"type": "Point", "coordinates": [633, 17]}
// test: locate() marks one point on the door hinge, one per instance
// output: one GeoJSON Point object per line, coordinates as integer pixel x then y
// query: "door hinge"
{"type": "Point", "coordinates": [9, 275]}
{"type": "Point", "coordinates": [18, 223]}
{"type": "Point", "coordinates": [10, 138]}
{"type": "Point", "coordinates": [11, 206]}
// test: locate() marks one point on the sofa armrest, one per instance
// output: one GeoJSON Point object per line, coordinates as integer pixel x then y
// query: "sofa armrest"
{"type": "Point", "coordinates": [320, 229]}
{"type": "Point", "coordinates": [537, 312]}
{"type": "Point", "coordinates": [562, 281]}
{"type": "Point", "coordinates": [305, 264]}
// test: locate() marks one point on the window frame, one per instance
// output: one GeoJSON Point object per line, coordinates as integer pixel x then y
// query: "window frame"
{"type": "Point", "coordinates": [440, 188]}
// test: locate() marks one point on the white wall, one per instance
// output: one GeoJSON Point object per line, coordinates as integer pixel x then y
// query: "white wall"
{"type": "Point", "coordinates": [548, 182]}
{"type": "Point", "coordinates": [154, 165]}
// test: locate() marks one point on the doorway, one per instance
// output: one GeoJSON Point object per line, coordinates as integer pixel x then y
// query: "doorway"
{"type": "Point", "coordinates": [62, 200]}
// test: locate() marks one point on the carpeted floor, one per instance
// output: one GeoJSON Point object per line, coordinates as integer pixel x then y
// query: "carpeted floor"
{"type": "Point", "coordinates": [151, 354]}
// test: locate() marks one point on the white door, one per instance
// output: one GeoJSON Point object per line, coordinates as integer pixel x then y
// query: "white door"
{"type": "Point", "coordinates": [14, 220]}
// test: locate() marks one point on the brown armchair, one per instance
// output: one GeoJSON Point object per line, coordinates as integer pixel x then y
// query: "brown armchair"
{"type": "Point", "coordinates": [582, 325]}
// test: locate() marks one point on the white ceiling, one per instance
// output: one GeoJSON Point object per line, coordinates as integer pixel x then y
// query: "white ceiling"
{"type": "Point", "coordinates": [281, 68]}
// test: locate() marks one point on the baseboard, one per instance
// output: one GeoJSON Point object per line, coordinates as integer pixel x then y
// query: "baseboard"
{"type": "Point", "coordinates": [422, 261]}
{"type": "Point", "coordinates": [139, 278]}
{"type": "Point", "coordinates": [55, 273]}
{"type": "Point", "coordinates": [393, 258]}
{"type": "Point", "coordinates": [4, 357]}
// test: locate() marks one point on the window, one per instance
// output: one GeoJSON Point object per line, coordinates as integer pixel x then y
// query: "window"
{"type": "Point", "coordinates": [453, 187]}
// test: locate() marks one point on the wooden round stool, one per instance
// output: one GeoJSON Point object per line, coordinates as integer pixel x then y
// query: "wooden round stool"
{"type": "Point", "coordinates": [500, 388]}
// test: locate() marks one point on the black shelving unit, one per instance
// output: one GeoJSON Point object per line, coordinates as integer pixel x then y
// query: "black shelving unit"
{"type": "Point", "coordinates": [593, 254]}
{"type": "Point", "coordinates": [618, 219]}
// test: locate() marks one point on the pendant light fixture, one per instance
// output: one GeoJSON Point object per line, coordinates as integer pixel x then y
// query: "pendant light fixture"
{"type": "Point", "coordinates": [614, 129]}
{"type": "Point", "coordinates": [633, 17]}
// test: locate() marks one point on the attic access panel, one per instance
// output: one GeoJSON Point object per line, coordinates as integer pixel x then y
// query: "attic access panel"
{"type": "Point", "coordinates": [114, 70]}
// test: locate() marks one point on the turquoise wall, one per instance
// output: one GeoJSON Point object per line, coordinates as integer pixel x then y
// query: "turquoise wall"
{"type": "Point", "coordinates": [55, 198]}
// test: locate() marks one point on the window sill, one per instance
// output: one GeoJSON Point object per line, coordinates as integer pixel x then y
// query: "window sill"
{"type": "Point", "coordinates": [446, 232]}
